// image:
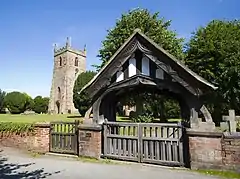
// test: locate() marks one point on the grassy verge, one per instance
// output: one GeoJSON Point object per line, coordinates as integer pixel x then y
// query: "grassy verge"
{"type": "Point", "coordinates": [219, 173]}
{"type": "Point", "coordinates": [37, 118]}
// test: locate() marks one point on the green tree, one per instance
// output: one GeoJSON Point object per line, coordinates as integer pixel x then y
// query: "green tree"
{"type": "Point", "coordinates": [150, 24]}
{"type": "Point", "coordinates": [16, 102]}
{"type": "Point", "coordinates": [40, 104]}
{"type": "Point", "coordinates": [213, 52]}
{"type": "Point", "coordinates": [29, 102]}
{"type": "Point", "coordinates": [2, 96]}
{"type": "Point", "coordinates": [82, 101]}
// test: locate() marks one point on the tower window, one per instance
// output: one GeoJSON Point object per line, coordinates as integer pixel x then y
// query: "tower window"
{"type": "Point", "coordinates": [76, 72]}
{"type": "Point", "coordinates": [76, 61]}
{"type": "Point", "coordinates": [60, 61]}
{"type": "Point", "coordinates": [59, 93]}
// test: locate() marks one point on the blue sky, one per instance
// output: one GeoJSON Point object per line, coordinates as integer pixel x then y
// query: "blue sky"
{"type": "Point", "coordinates": [29, 28]}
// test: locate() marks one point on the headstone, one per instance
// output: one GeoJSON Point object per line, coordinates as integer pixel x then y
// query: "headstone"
{"type": "Point", "coordinates": [230, 121]}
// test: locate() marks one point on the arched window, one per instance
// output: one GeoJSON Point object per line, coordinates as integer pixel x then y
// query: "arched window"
{"type": "Point", "coordinates": [59, 93]}
{"type": "Point", "coordinates": [76, 72]}
{"type": "Point", "coordinates": [76, 61]}
{"type": "Point", "coordinates": [60, 61]}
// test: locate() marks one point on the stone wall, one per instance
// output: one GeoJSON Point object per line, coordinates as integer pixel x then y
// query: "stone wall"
{"type": "Point", "coordinates": [214, 150]}
{"type": "Point", "coordinates": [37, 141]}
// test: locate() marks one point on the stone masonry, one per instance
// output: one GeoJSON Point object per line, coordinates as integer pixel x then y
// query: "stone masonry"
{"type": "Point", "coordinates": [68, 64]}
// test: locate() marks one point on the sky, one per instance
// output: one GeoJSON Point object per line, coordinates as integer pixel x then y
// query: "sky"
{"type": "Point", "coordinates": [28, 30]}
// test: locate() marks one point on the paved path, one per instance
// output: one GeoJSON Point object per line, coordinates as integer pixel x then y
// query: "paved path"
{"type": "Point", "coordinates": [17, 165]}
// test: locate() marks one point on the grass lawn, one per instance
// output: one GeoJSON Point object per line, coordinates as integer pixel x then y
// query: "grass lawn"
{"type": "Point", "coordinates": [37, 118]}
{"type": "Point", "coordinates": [222, 174]}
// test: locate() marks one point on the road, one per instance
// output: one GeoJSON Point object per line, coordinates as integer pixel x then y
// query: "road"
{"type": "Point", "coordinates": [17, 165]}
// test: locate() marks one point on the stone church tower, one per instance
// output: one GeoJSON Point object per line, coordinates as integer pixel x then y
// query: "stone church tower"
{"type": "Point", "coordinates": [68, 64]}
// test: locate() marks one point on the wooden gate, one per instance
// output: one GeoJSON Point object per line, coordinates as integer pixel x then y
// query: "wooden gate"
{"type": "Point", "coordinates": [144, 142]}
{"type": "Point", "coordinates": [64, 137]}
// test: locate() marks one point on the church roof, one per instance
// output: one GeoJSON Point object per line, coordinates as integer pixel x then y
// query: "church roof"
{"type": "Point", "coordinates": [158, 48]}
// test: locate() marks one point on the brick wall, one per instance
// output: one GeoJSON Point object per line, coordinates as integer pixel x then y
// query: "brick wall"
{"type": "Point", "coordinates": [37, 141]}
{"type": "Point", "coordinates": [231, 151]}
{"type": "Point", "coordinates": [90, 139]}
{"type": "Point", "coordinates": [213, 150]}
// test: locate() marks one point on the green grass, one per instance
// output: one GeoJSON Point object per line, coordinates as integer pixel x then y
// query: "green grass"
{"type": "Point", "coordinates": [37, 118]}
{"type": "Point", "coordinates": [222, 174]}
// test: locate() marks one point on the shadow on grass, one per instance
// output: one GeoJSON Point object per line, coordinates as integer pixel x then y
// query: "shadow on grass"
{"type": "Point", "coordinates": [18, 171]}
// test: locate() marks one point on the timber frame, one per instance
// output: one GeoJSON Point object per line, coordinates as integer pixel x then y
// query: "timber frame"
{"type": "Point", "coordinates": [179, 81]}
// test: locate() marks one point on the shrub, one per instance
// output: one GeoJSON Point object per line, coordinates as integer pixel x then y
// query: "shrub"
{"type": "Point", "coordinates": [143, 118]}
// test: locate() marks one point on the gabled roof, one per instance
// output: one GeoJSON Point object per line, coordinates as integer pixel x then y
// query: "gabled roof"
{"type": "Point", "coordinates": [171, 57]}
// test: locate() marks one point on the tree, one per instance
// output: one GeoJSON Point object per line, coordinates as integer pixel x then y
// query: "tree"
{"type": "Point", "coordinates": [40, 104]}
{"type": "Point", "coordinates": [29, 102]}
{"type": "Point", "coordinates": [150, 24]}
{"type": "Point", "coordinates": [81, 101]}
{"type": "Point", "coordinates": [2, 96]}
{"type": "Point", "coordinates": [213, 52]}
{"type": "Point", "coordinates": [16, 102]}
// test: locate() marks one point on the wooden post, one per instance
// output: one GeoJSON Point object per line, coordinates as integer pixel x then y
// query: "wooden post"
{"type": "Point", "coordinates": [140, 141]}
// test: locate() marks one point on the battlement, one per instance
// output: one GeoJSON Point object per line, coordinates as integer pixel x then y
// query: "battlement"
{"type": "Point", "coordinates": [67, 47]}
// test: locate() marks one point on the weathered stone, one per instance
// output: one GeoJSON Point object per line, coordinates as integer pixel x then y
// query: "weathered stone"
{"type": "Point", "coordinates": [231, 121]}
{"type": "Point", "coordinates": [68, 64]}
{"type": "Point", "coordinates": [203, 126]}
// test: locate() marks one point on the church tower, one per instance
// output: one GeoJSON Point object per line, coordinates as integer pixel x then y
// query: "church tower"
{"type": "Point", "coordinates": [68, 64]}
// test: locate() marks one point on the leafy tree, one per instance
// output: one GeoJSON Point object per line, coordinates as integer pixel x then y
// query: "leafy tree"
{"type": "Point", "coordinates": [29, 103]}
{"type": "Point", "coordinates": [213, 52]}
{"type": "Point", "coordinates": [150, 24]}
{"type": "Point", "coordinates": [2, 96]}
{"type": "Point", "coordinates": [82, 101]}
{"type": "Point", "coordinates": [16, 102]}
{"type": "Point", "coordinates": [40, 104]}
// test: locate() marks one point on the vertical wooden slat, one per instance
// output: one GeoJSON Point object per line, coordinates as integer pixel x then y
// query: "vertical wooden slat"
{"type": "Point", "coordinates": [140, 147]}
{"type": "Point", "coordinates": [105, 133]}
{"type": "Point", "coordinates": [129, 147]}
{"type": "Point", "coordinates": [152, 155]}
{"type": "Point", "coordinates": [119, 147]}
{"type": "Point", "coordinates": [157, 146]}
{"type": "Point", "coordinates": [181, 160]}
{"type": "Point", "coordinates": [134, 148]}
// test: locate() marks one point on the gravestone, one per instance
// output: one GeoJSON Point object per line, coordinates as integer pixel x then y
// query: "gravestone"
{"type": "Point", "coordinates": [230, 122]}
{"type": "Point", "coordinates": [198, 125]}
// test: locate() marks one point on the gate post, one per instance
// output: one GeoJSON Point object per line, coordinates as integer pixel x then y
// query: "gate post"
{"type": "Point", "coordinates": [90, 140]}
{"type": "Point", "coordinates": [77, 122]}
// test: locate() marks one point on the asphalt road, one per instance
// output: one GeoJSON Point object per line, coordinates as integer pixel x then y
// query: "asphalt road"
{"type": "Point", "coordinates": [17, 165]}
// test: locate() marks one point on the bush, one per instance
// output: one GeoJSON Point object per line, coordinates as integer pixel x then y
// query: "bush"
{"type": "Point", "coordinates": [17, 128]}
{"type": "Point", "coordinates": [40, 104]}
{"type": "Point", "coordinates": [2, 96]}
{"type": "Point", "coordinates": [17, 102]}
{"type": "Point", "coordinates": [143, 118]}
{"type": "Point", "coordinates": [81, 101]}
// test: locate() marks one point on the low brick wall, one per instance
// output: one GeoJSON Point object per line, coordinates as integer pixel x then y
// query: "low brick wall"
{"type": "Point", "coordinates": [90, 141]}
{"type": "Point", "coordinates": [231, 151]}
{"type": "Point", "coordinates": [214, 150]}
{"type": "Point", "coordinates": [37, 141]}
